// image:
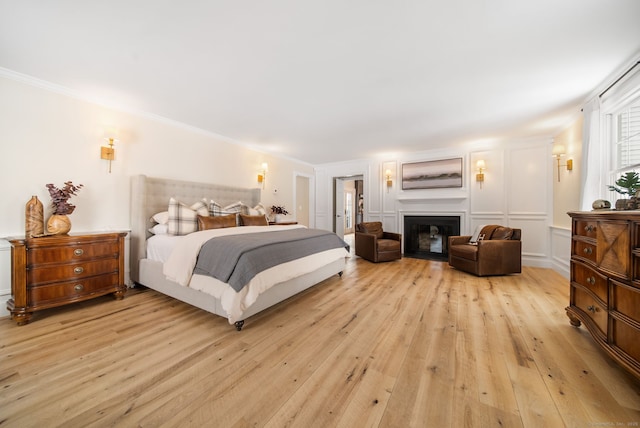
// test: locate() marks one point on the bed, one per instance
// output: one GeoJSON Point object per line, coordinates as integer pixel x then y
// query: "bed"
{"type": "Point", "coordinates": [150, 195]}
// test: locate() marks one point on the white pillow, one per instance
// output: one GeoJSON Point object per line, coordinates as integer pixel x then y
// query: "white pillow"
{"type": "Point", "coordinates": [183, 219]}
{"type": "Point", "coordinates": [258, 210]}
{"type": "Point", "coordinates": [161, 217]}
{"type": "Point", "coordinates": [159, 229]}
{"type": "Point", "coordinates": [476, 234]}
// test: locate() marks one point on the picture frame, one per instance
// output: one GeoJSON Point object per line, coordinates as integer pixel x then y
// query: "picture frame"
{"type": "Point", "coordinates": [442, 173]}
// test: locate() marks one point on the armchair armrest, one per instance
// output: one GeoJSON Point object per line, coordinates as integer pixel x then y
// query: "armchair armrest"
{"type": "Point", "coordinates": [458, 240]}
{"type": "Point", "coordinates": [391, 235]}
{"type": "Point", "coordinates": [366, 245]}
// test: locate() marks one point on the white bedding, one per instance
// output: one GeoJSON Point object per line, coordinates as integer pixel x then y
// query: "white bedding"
{"type": "Point", "coordinates": [179, 255]}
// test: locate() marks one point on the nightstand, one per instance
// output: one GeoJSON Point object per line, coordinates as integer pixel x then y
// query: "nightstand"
{"type": "Point", "coordinates": [62, 269]}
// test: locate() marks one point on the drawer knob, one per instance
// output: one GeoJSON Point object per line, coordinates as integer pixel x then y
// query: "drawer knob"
{"type": "Point", "coordinates": [591, 309]}
{"type": "Point", "coordinates": [591, 280]}
{"type": "Point", "coordinates": [78, 287]}
{"type": "Point", "coordinates": [78, 269]}
{"type": "Point", "coordinates": [78, 252]}
{"type": "Point", "coordinates": [589, 228]}
{"type": "Point", "coordinates": [588, 250]}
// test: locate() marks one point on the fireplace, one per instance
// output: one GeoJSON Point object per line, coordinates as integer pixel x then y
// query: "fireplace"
{"type": "Point", "coordinates": [427, 237]}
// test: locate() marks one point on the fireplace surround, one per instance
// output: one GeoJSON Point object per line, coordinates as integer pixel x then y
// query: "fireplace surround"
{"type": "Point", "coordinates": [427, 236]}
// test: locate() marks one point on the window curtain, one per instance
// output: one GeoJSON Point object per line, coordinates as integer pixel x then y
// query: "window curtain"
{"type": "Point", "coordinates": [592, 155]}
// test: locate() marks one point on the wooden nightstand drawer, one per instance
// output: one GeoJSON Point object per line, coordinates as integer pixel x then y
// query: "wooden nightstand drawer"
{"type": "Point", "coordinates": [591, 279]}
{"type": "Point", "coordinates": [80, 251]}
{"type": "Point", "coordinates": [589, 306]}
{"type": "Point", "coordinates": [586, 228]}
{"type": "Point", "coordinates": [585, 251]}
{"type": "Point", "coordinates": [63, 272]}
{"type": "Point", "coordinates": [72, 290]}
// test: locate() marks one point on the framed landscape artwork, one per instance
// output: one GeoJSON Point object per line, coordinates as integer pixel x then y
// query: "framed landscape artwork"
{"type": "Point", "coordinates": [432, 174]}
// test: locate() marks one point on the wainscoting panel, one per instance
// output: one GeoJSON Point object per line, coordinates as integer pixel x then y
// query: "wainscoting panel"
{"type": "Point", "coordinates": [561, 250]}
{"type": "Point", "coordinates": [535, 239]}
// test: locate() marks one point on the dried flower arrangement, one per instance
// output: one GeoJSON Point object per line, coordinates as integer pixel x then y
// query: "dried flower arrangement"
{"type": "Point", "coordinates": [276, 209]}
{"type": "Point", "coordinates": [60, 197]}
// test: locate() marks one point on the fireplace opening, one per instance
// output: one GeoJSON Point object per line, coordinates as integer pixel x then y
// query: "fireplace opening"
{"type": "Point", "coordinates": [427, 237]}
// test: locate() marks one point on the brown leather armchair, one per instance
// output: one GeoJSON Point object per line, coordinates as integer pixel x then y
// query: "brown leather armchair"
{"type": "Point", "coordinates": [375, 245]}
{"type": "Point", "coordinates": [498, 251]}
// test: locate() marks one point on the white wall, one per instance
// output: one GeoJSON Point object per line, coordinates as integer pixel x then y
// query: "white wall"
{"type": "Point", "coordinates": [50, 137]}
{"type": "Point", "coordinates": [517, 192]}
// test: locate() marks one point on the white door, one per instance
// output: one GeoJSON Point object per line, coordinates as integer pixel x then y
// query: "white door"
{"type": "Point", "coordinates": [339, 207]}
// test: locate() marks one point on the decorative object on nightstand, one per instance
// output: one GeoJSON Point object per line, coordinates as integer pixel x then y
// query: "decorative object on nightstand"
{"type": "Point", "coordinates": [61, 269]}
{"type": "Point", "coordinates": [278, 213]}
{"type": "Point", "coordinates": [34, 218]}
{"type": "Point", "coordinates": [59, 223]}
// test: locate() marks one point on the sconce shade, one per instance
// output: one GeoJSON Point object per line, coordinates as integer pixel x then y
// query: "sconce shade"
{"type": "Point", "coordinates": [558, 150]}
{"type": "Point", "coordinates": [481, 165]}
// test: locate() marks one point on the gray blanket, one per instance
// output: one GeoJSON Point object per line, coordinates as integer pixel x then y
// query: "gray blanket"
{"type": "Point", "coordinates": [237, 259]}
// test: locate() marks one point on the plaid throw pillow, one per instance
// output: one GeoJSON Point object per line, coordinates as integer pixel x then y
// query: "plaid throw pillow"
{"type": "Point", "coordinates": [215, 209]}
{"type": "Point", "coordinates": [237, 208]}
{"type": "Point", "coordinates": [183, 219]}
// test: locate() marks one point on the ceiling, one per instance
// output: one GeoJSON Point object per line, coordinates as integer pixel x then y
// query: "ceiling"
{"type": "Point", "coordinates": [331, 80]}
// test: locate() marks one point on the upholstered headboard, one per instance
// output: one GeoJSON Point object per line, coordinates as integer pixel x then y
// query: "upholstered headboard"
{"type": "Point", "coordinates": [151, 195]}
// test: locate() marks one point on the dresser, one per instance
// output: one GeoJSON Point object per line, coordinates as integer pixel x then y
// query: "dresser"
{"type": "Point", "coordinates": [605, 282]}
{"type": "Point", "coordinates": [62, 269]}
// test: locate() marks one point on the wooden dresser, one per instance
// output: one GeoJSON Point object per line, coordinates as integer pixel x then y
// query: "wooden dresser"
{"type": "Point", "coordinates": [605, 282]}
{"type": "Point", "coordinates": [58, 270]}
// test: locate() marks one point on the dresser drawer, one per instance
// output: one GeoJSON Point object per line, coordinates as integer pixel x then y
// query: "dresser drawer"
{"type": "Point", "coordinates": [625, 337]}
{"type": "Point", "coordinates": [626, 300]}
{"type": "Point", "coordinates": [584, 227]}
{"type": "Point", "coordinates": [589, 278]}
{"type": "Point", "coordinates": [585, 251]}
{"type": "Point", "coordinates": [588, 305]}
{"type": "Point", "coordinates": [71, 290]}
{"type": "Point", "coordinates": [70, 271]}
{"type": "Point", "coordinates": [76, 252]}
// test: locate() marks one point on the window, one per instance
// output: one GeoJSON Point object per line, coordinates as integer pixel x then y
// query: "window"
{"type": "Point", "coordinates": [625, 138]}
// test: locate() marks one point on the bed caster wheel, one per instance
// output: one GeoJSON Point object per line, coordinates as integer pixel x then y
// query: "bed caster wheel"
{"type": "Point", "coordinates": [340, 274]}
{"type": "Point", "coordinates": [239, 325]}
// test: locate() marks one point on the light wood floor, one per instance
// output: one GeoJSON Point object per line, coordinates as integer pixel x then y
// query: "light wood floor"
{"type": "Point", "coordinates": [411, 343]}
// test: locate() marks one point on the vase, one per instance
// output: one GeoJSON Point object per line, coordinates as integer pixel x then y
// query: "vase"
{"type": "Point", "coordinates": [59, 224]}
{"type": "Point", "coordinates": [621, 204]}
{"type": "Point", "coordinates": [34, 218]}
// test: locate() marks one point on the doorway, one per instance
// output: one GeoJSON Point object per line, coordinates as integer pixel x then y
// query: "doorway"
{"type": "Point", "coordinates": [348, 204]}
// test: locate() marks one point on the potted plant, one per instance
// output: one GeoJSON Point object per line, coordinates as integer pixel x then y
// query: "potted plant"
{"type": "Point", "coordinates": [278, 212]}
{"type": "Point", "coordinates": [59, 222]}
{"type": "Point", "coordinates": [627, 184]}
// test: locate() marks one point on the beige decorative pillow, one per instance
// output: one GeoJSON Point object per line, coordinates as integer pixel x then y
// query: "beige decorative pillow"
{"type": "Point", "coordinates": [217, 222]}
{"type": "Point", "coordinates": [253, 220]}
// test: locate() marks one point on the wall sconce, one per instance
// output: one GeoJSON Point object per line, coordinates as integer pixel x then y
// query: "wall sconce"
{"type": "Point", "coordinates": [389, 181]}
{"type": "Point", "coordinates": [108, 153]}
{"type": "Point", "coordinates": [480, 166]}
{"type": "Point", "coordinates": [262, 175]}
{"type": "Point", "coordinates": [558, 152]}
